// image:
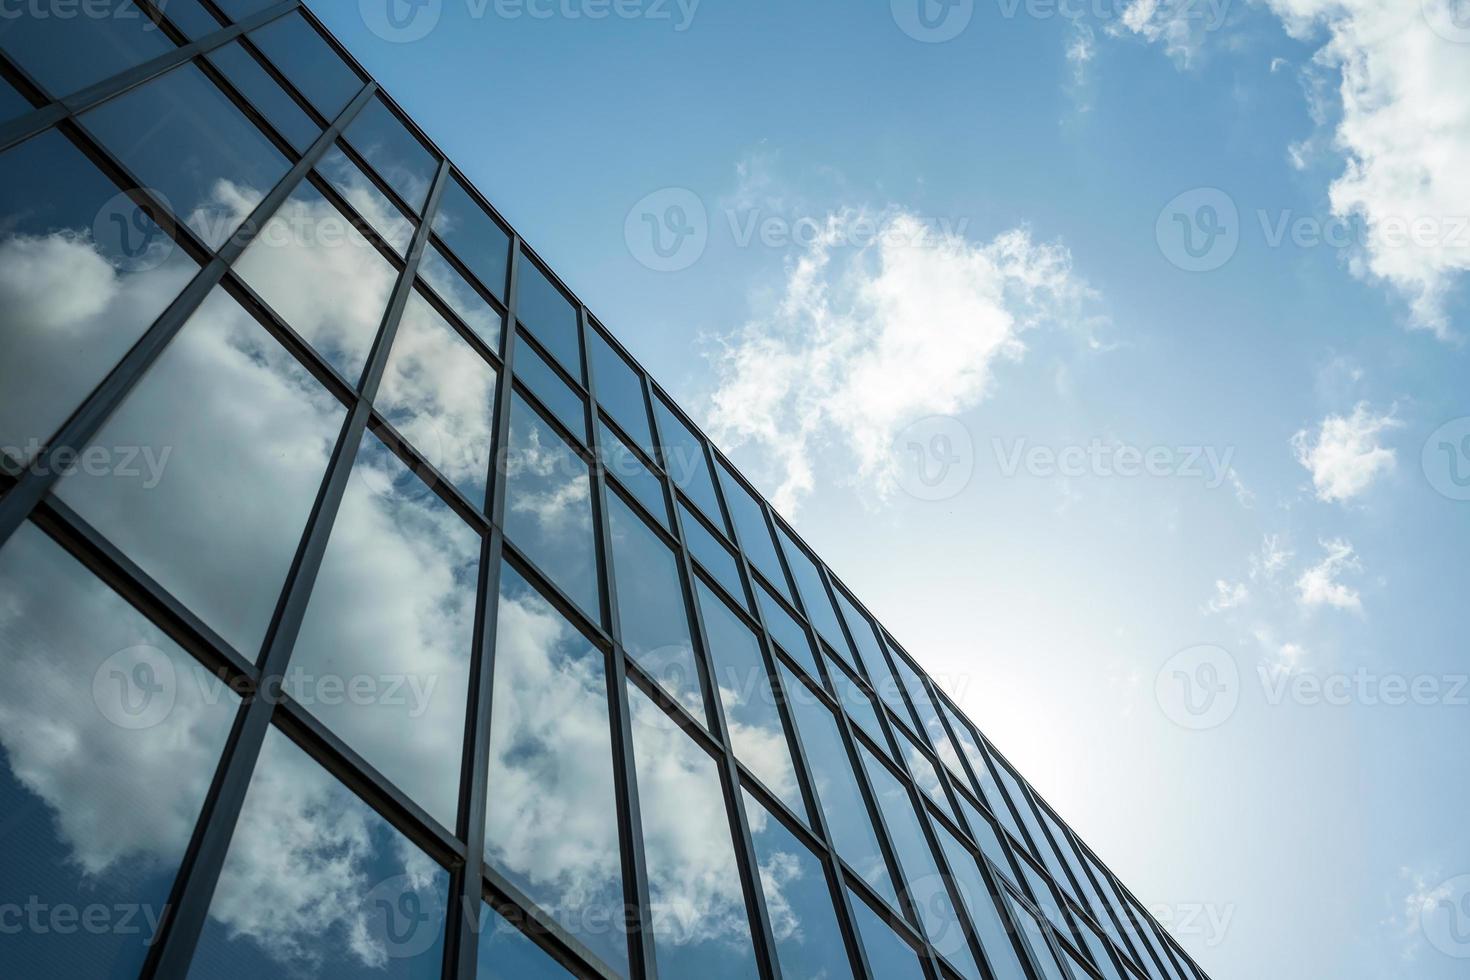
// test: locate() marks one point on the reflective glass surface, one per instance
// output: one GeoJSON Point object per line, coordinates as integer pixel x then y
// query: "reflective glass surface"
{"type": "Point", "coordinates": [787, 632]}
{"type": "Point", "coordinates": [1044, 897]}
{"type": "Point", "coordinates": [1063, 847]}
{"type": "Point", "coordinates": [551, 390]}
{"type": "Point", "coordinates": [185, 140]}
{"type": "Point", "coordinates": [440, 395]}
{"type": "Point", "coordinates": [625, 466]}
{"type": "Point", "coordinates": [548, 508]}
{"type": "Point", "coordinates": [889, 956]}
{"type": "Point", "coordinates": [549, 314]}
{"type": "Point", "coordinates": [924, 773]}
{"type": "Point", "coordinates": [505, 953]}
{"type": "Point", "coordinates": [363, 196]}
{"type": "Point", "coordinates": [190, 17]}
{"type": "Point", "coordinates": [858, 703]}
{"type": "Point", "coordinates": [685, 463]}
{"type": "Point", "coordinates": [655, 626]}
{"type": "Point", "coordinates": [837, 787]}
{"type": "Point", "coordinates": [739, 673]}
{"type": "Point", "coordinates": [461, 298]}
{"type": "Point", "coordinates": [620, 390]}
{"type": "Point", "coordinates": [383, 657]}
{"type": "Point", "coordinates": [1098, 947]}
{"type": "Point", "coordinates": [13, 105]}
{"type": "Point", "coordinates": [83, 273]}
{"type": "Point", "coordinates": [870, 651]}
{"type": "Point", "coordinates": [709, 552]}
{"type": "Point", "coordinates": [304, 57]}
{"type": "Point", "coordinates": [808, 939]}
{"type": "Point", "coordinates": [814, 595]}
{"type": "Point", "coordinates": [982, 828]}
{"type": "Point", "coordinates": [395, 153]}
{"type": "Point", "coordinates": [322, 277]}
{"type": "Point", "coordinates": [551, 820]}
{"type": "Point", "coordinates": [66, 54]}
{"type": "Point", "coordinates": [109, 737]}
{"type": "Point", "coordinates": [476, 238]}
{"type": "Point", "coordinates": [237, 10]}
{"type": "Point", "coordinates": [239, 435]}
{"type": "Point", "coordinates": [696, 902]}
{"type": "Point", "coordinates": [319, 887]}
{"type": "Point", "coordinates": [1035, 937]}
{"type": "Point", "coordinates": [755, 534]}
{"type": "Point", "coordinates": [263, 91]}
{"type": "Point", "coordinates": [990, 928]}
{"type": "Point", "coordinates": [933, 727]}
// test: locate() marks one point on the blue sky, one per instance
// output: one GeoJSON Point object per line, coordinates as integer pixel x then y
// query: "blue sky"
{"type": "Point", "coordinates": [1111, 350]}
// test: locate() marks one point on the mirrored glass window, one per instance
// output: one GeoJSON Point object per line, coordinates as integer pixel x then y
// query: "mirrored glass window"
{"type": "Point", "coordinates": [190, 17]}
{"type": "Point", "coordinates": [363, 196]}
{"type": "Point", "coordinates": [110, 735]}
{"type": "Point", "coordinates": [888, 955]}
{"type": "Point", "coordinates": [237, 10]}
{"type": "Point", "coordinates": [551, 822]}
{"type": "Point", "coordinates": [814, 595]}
{"type": "Point", "coordinates": [227, 439]}
{"type": "Point", "coordinates": [808, 939]}
{"type": "Point", "coordinates": [549, 314]}
{"type": "Point", "coordinates": [739, 673]}
{"type": "Point", "coordinates": [755, 535]}
{"type": "Point", "coordinates": [304, 57]}
{"type": "Point", "coordinates": [787, 632]}
{"type": "Point", "coordinates": [655, 626]}
{"type": "Point", "coordinates": [383, 657]}
{"type": "Point", "coordinates": [1044, 897]}
{"type": "Point", "coordinates": [923, 706]}
{"type": "Point", "coordinates": [1098, 947]}
{"type": "Point", "coordinates": [625, 466]}
{"type": "Point", "coordinates": [551, 390]}
{"type": "Point", "coordinates": [83, 273]}
{"type": "Point", "coordinates": [506, 953]}
{"type": "Point", "coordinates": [463, 300]}
{"type": "Point", "coordinates": [870, 651]}
{"type": "Point", "coordinates": [13, 105]}
{"type": "Point", "coordinates": [66, 54]}
{"type": "Point", "coordinates": [394, 152]}
{"type": "Point", "coordinates": [990, 928]}
{"type": "Point", "coordinates": [712, 554]}
{"type": "Point", "coordinates": [439, 393]}
{"type": "Point", "coordinates": [548, 507]}
{"type": "Point", "coordinates": [620, 390]}
{"type": "Point", "coordinates": [697, 904]}
{"type": "Point", "coordinates": [1035, 937]}
{"type": "Point", "coordinates": [685, 463]}
{"type": "Point", "coordinates": [1022, 803]}
{"type": "Point", "coordinates": [982, 828]}
{"type": "Point", "coordinates": [1063, 848]}
{"type": "Point", "coordinates": [322, 277]}
{"type": "Point", "coordinates": [858, 702]}
{"type": "Point", "coordinates": [317, 885]}
{"type": "Point", "coordinates": [181, 137]}
{"type": "Point", "coordinates": [924, 773]}
{"type": "Point", "coordinates": [263, 91]}
{"type": "Point", "coordinates": [476, 238]}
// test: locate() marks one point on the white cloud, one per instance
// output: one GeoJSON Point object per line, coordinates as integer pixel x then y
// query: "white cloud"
{"type": "Point", "coordinates": [1319, 585]}
{"type": "Point", "coordinates": [1178, 25]}
{"type": "Point", "coordinates": [1271, 559]}
{"type": "Point", "coordinates": [1228, 595]}
{"type": "Point", "coordinates": [1345, 456]}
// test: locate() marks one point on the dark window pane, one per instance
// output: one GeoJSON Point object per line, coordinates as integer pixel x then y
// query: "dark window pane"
{"type": "Point", "coordinates": [684, 462]}
{"type": "Point", "coordinates": [1098, 947]}
{"type": "Point", "coordinates": [623, 463]}
{"type": "Point", "coordinates": [505, 953]}
{"type": "Point", "coordinates": [808, 939]}
{"type": "Point", "coordinates": [1094, 902]}
{"type": "Point", "coordinates": [111, 734]}
{"type": "Point", "coordinates": [551, 821]}
{"type": "Point", "coordinates": [317, 885]}
{"type": "Point", "coordinates": [814, 595]}
{"type": "Point", "coordinates": [322, 277]}
{"type": "Point", "coordinates": [739, 673]}
{"type": "Point", "coordinates": [395, 153]}
{"type": "Point", "coordinates": [982, 828]}
{"type": "Point", "coordinates": [787, 632]}
{"type": "Point", "coordinates": [461, 298]}
{"type": "Point", "coordinates": [548, 508]}
{"type": "Point", "coordinates": [620, 390]}
{"type": "Point", "coordinates": [13, 105]}
{"type": "Point", "coordinates": [871, 652]}
{"type": "Point", "coordinates": [264, 92]}
{"type": "Point", "coordinates": [384, 652]}
{"type": "Point", "coordinates": [183, 138]}
{"type": "Point", "coordinates": [65, 54]}
{"type": "Point", "coordinates": [655, 626]}
{"type": "Point", "coordinates": [990, 928]}
{"type": "Point", "coordinates": [697, 904]}
{"type": "Point", "coordinates": [238, 10]}
{"type": "Point", "coordinates": [712, 554]}
{"type": "Point", "coordinates": [476, 238]}
{"type": "Point", "coordinates": [304, 57]}
{"type": "Point", "coordinates": [1044, 897]}
{"type": "Point", "coordinates": [440, 395]}
{"type": "Point", "coordinates": [566, 404]}
{"type": "Point", "coordinates": [1028, 816]}
{"type": "Point", "coordinates": [1035, 937]}
{"type": "Point", "coordinates": [926, 777]}
{"type": "Point", "coordinates": [755, 535]}
{"type": "Point", "coordinates": [858, 703]}
{"type": "Point", "coordinates": [239, 434]}
{"type": "Point", "coordinates": [1062, 847]}
{"type": "Point", "coordinates": [83, 272]}
{"type": "Point", "coordinates": [837, 787]}
{"type": "Point", "coordinates": [547, 312]}
{"type": "Point", "coordinates": [190, 17]}
{"type": "Point", "coordinates": [363, 196]}
{"type": "Point", "coordinates": [890, 957]}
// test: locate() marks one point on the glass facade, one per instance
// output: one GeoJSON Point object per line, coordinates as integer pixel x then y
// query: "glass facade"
{"type": "Point", "coordinates": [368, 611]}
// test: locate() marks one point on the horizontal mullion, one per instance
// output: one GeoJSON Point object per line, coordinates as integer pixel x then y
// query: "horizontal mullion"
{"type": "Point", "coordinates": [542, 929]}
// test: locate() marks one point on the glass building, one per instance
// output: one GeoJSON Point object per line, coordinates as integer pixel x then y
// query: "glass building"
{"type": "Point", "coordinates": [366, 611]}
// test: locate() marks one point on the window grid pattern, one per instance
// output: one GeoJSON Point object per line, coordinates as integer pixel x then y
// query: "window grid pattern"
{"type": "Point", "coordinates": [1132, 940]}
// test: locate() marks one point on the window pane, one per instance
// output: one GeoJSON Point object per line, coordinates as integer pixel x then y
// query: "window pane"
{"type": "Point", "coordinates": [263, 91]}
{"type": "Point", "coordinates": [714, 556]}
{"type": "Point", "coordinates": [566, 404]}
{"type": "Point", "coordinates": [926, 886]}
{"type": "Point", "coordinates": [547, 312]}
{"type": "Point", "coordinates": [242, 434]}
{"type": "Point", "coordinates": [620, 390]}
{"type": "Point", "coordinates": [1044, 897]}
{"type": "Point", "coordinates": [697, 904]}
{"type": "Point", "coordinates": [396, 154]}
{"type": "Point", "coordinates": [837, 787]}
{"type": "Point", "coordinates": [756, 732]}
{"type": "Point", "coordinates": [315, 884]}
{"type": "Point", "coordinates": [182, 137]}
{"type": "Point", "coordinates": [111, 735]}
{"type": "Point", "coordinates": [1098, 947]}
{"type": "Point", "coordinates": [548, 509]}
{"type": "Point", "coordinates": [1063, 847]}
{"type": "Point", "coordinates": [322, 277]}
{"type": "Point", "coordinates": [1028, 816]}
{"type": "Point", "coordinates": [871, 653]}
{"type": "Point", "coordinates": [190, 17]}
{"type": "Point", "coordinates": [363, 196]}
{"type": "Point", "coordinates": [755, 535]}
{"type": "Point", "coordinates": [65, 54]}
{"type": "Point", "coordinates": [1036, 939]}
{"type": "Point", "coordinates": [808, 939]}
{"type": "Point", "coordinates": [857, 702]}
{"type": "Point", "coordinates": [309, 62]}
{"type": "Point", "coordinates": [476, 238]}
{"type": "Point", "coordinates": [982, 828]}
{"type": "Point", "coordinates": [623, 463]}
{"type": "Point", "coordinates": [655, 626]}
{"type": "Point", "coordinates": [12, 104]}
{"type": "Point", "coordinates": [384, 652]}
{"type": "Point", "coordinates": [787, 632]}
{"type": "Point", "coordinates": [989, 926]}
{"type": "Point", "coordinates": [889, 956]}
{"type": "Point", "coordinates": [506, 953]}
{"type": "Point", "coordinates": [814, 595]}
{"type": "Point", "coordinates": [926, 777]}
{"type": "Point", "coordinates": [238, 10]}
{"type": "Point", "coordinates": [923, 706]}
{"type": "Point", "coordinates": [461, 298]}
{"type": "Point", "coordinates": [684, 462]}
{"type": "Point", "coordinates": [551, 822]}
{"type": "Point", "coordinates": [83, 272]}
{"type": "Point", "coordinates": [440, 394]}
